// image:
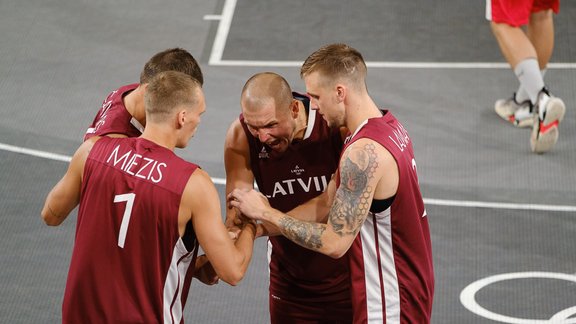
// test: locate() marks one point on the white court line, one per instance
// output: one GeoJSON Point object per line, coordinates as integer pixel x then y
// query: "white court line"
{"type": "Point", "coordinates": [42, 154]}
{"type": "Point", "coordinates": [224, 28]}
{"type": "Point", "coordinates": [222, 32]}
{"type": "Point", "coordinates": [391, 65]}
{"type": "Point", "coordinates": [228, 15]}
{"type": "Point", "coordinates": [497, 205]}
{"type": "Point", "coordinates": [428, 201]}
{"type": "Point", "coordinates": [212, 17]}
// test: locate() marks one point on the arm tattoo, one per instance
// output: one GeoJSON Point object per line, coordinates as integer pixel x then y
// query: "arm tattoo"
{"type": "Point", "coordinates": [352, 201]}
{"type": "Point", "coordinates": [308, 235]}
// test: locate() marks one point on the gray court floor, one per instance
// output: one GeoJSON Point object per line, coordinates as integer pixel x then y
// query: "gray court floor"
{"type": "Point", "coordinates": [503, 220]}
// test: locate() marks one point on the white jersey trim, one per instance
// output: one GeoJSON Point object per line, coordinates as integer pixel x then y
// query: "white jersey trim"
{"type": "Point", "coordinates": [376, 236]}
{"type": "Point", "coordinates": [269, 255]}
{"type": "Point", "coordinates": [181, 259]}
{"type": "Point", "coordinates": [137, 124]}
{"type": "Point", "coordinates": [311, 121]}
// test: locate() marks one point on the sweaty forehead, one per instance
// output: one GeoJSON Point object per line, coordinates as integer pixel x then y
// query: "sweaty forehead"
{"type": "Point", "coordinates": [260, 117]}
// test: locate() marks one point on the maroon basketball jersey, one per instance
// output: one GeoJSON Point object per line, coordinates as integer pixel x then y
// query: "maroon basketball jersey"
{"type": "Point", "coordinates": [113, 118]}
{"type": "Point", "coordinates": [391, 258]}
{"type": "Point", "coordinates": [289, 179]}
{"type": "Point", "coordinates": [129, 263]}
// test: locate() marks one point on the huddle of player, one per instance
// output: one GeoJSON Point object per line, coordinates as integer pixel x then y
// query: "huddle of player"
{"type": "Point", "coordinates": [338, 200]}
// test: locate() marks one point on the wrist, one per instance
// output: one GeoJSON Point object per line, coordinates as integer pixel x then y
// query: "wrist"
{"type": "Point", "coordinates": [250, 226]}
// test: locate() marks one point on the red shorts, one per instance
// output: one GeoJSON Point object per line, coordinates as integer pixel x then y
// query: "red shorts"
{"type": "Point", "coordinates": [517, 12]}
{"type": "Point", "coordinates": [288, 312]}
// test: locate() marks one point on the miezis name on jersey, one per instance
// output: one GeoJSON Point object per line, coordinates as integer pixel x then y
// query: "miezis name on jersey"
{"type": "Point", "coordinates": [137, 165]}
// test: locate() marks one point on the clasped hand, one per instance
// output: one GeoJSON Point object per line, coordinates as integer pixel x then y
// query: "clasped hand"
{"type": "Point", "coordinates": [250, 203]}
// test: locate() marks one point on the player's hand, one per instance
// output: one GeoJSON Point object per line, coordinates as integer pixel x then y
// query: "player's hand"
{"type": "Point", "coordinates": [250, 203]}
{"type": "Point", "coordinates": [204, 271]}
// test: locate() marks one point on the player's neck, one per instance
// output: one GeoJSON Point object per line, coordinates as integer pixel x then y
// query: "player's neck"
{"type": "Point", "coordinates": [359, 111]}
{"type": "Point", "coordinates": [162, 136]}
{"type": "Point", "coordinates": [134, 103]}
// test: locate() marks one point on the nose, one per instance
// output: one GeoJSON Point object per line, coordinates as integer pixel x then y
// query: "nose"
{"type": "Point", "coordinates": [263, 136]}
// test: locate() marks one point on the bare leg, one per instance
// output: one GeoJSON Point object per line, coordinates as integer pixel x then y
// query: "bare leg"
{"type": "Point", "coordinates": [540, 31]}
{"type": "Point", "coordinates": [514, 43]}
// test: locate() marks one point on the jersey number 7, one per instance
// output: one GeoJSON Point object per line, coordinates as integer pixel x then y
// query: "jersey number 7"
{"type": "Point", "coordinates": [129, 199]}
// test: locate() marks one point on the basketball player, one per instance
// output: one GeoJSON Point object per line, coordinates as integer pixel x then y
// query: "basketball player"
{"type": "Point", "coordinates": [375, 209]}
{"type": "Point", "coordinates": [528, 53]}
{"type": "Point", "coordinates": [291, 153]}
{"type": "Point", "coordinates": [122, 113]}
{"type": "Point", "coordinates": [143, 214]}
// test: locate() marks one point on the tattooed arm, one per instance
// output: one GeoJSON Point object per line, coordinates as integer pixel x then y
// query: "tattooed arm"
{"type": "Point", "coordinates": [366, 169]}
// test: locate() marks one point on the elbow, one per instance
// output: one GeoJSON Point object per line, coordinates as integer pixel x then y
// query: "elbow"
{"type": "Point", "coordinates": [233, 279]}
{"type": "Point", "coordinates": [336, 254]}
{"type": "Point", "coordinates": [50, 219]}
{"type": "Point", "coordinates": [336, 251]}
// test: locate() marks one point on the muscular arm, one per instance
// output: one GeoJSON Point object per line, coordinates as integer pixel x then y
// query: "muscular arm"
{"type": "Point", "coordinates": [65, 195]}
{"type": "Point", "coordinates": [237, 164]}
{"type": "Point", "coordinates": [239, 174]}
{"type": "Point", "coordinates": [229, 259]}
{"type": "Point", "coordinates": [365, 168]}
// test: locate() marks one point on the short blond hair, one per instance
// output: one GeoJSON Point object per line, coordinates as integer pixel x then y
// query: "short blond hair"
{"type": "Point", "coordinates": [168, 91]}
{"type": "Point", "coordinates": [335, 62]}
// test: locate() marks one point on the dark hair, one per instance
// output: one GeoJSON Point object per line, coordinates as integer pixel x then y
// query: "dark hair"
{"type": "Point", "coordinates": [173, 59]}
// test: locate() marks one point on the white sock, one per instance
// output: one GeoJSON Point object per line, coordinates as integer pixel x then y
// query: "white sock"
{"type": "Point", "coordinates": [530, 77]}
{"type": "Point", "coordinates": [521, 94]}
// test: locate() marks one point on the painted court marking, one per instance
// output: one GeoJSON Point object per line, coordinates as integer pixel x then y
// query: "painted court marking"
{"type": "Point", "coordinates": [428, 201]}
{"type": "Point", "coordinates": [468, 298]}
{"type": "Point", "coordinates": [224, 28]}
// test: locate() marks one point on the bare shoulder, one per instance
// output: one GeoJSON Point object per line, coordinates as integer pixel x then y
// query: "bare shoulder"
{"type": "Point", "coordinates": [236, 148]}
{"type": "Point", "coordinates": [368, 163]}
{"type": "Point", "coordinates": [367, 157]}
{"type": "Point", "coordinates": [367, 153]}
{"type": "Point", "coordinates": [199, 185]}
{"type": "Point", "coordinates": [199, 179]}
{"type": "Point", "coordinates": [85, 148]}
{"type": "Point", "coordinates": [235, 136]}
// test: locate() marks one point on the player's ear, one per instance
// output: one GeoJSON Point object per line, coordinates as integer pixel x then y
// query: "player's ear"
{"type": "Point", "coordinates": [340, 92]}
{"type": "Point", "coordinates": [295, 108]}
{"type": "Point", "coordinates": [181, 117]}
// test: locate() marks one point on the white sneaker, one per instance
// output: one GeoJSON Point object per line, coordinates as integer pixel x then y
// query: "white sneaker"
{"type": "Point", "coordinates": [549, 113]}
{"type": "Point", "coordinates": [518, 114]}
